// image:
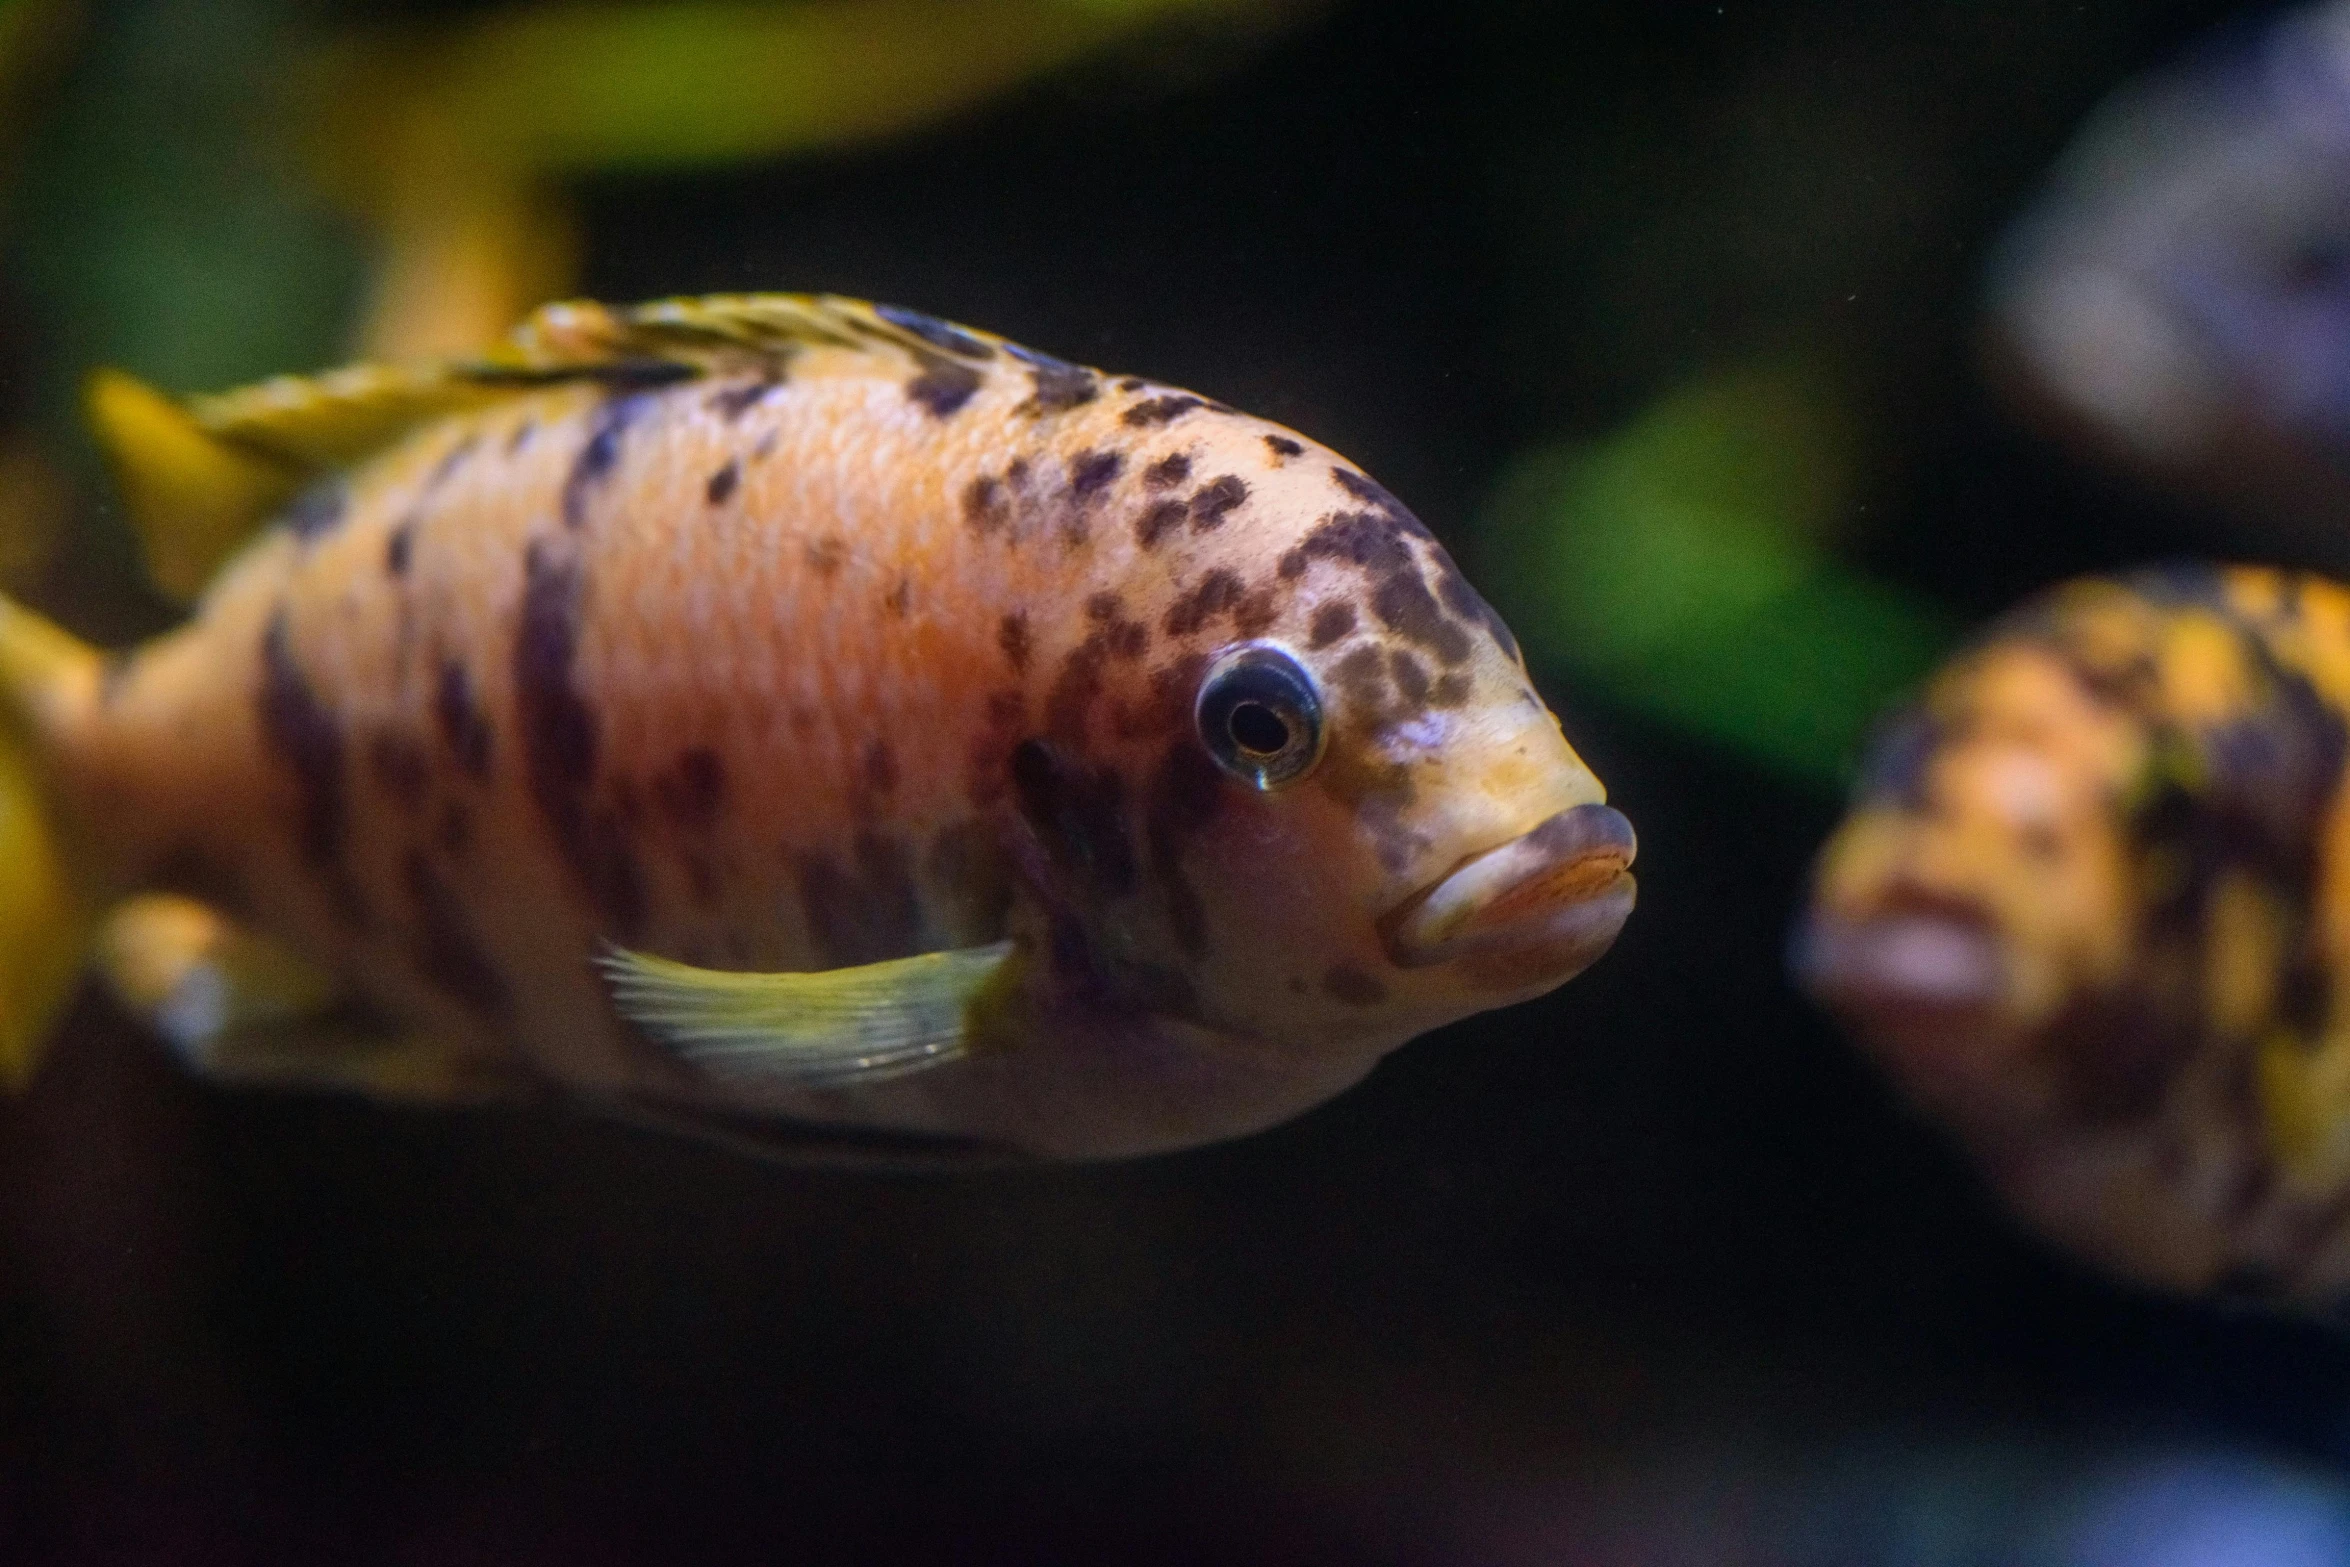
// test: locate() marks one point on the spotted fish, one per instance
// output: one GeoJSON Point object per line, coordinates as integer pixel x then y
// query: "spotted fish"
{"type": "Point", "coordinates": [784, 712]}
{"type": "Point", "coordinates": [2092, 908]}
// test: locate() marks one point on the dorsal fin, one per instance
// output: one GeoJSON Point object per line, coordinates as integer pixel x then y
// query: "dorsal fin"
{"type": "Point", "coordinates": [199, 474]}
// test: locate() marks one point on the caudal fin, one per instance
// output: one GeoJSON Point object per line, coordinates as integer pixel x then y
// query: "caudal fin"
{"type": "Point", "coordinates": [47, 678]}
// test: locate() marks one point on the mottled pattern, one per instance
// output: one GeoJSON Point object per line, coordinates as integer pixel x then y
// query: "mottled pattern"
{"type": "Point", "coordinates": [2134, 789]}
{"type": "Point", "coordinates": [784, 634]}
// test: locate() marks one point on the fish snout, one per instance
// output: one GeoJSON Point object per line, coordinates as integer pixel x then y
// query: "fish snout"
{"type": "Point", "coordinates": [1928, 957]}
{"type": "Point", "coordinates": [1544, 905]}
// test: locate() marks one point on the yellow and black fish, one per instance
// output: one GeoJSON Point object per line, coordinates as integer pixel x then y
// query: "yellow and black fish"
{"type": "Point", "coordinates": [2092, 908]}
{"type": "Point", "coordinates": [784, 709]}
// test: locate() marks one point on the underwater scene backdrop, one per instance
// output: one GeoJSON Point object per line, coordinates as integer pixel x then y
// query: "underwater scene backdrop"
{"type": "Point", "coordinates": [1715, 340]}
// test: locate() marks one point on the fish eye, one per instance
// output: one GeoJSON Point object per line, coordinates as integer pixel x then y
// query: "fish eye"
{"type": "Point", "coordinates": [1260, 716]}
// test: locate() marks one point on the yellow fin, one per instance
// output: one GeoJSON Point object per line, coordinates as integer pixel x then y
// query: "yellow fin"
{"type": "Point", "coordinates": [192, 497]}
{"type": "Point", "coordinates": [836, 1029]}
{"type": "Point", "coordinates": [47, 679]}
{"type": "Point", "coordinates": [44, 923]}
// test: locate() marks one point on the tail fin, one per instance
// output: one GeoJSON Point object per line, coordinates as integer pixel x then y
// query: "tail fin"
{"type": "Point", "coordinates": [48, 679]}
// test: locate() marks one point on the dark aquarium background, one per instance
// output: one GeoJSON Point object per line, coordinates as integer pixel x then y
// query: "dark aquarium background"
{"type": "Point", "coordinates": [1668, 317]}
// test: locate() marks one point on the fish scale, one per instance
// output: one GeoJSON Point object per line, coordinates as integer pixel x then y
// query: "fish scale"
{"type": "Point", "coordinates": [788, 706]}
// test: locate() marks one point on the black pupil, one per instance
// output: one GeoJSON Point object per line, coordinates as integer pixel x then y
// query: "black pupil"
{"type": "Point", "coordinates": [1256, 727]}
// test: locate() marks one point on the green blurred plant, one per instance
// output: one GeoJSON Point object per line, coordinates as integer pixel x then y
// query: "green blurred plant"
{"type": "Point", "coordinates": [1682, 567]}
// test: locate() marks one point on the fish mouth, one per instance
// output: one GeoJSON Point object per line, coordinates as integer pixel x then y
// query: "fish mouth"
{"type": "Point", "coordinates": [1927, 985]}
{"type": "Point", "coordinates": [1930, 961]}
{"type": "Point", "coordinates": [1544, 905]}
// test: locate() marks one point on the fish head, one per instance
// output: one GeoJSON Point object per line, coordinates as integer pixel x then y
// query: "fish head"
{"type": "Point", "coordinates": [1369, 824]}
{"type": "Point", "coordinates": [1981, 895]}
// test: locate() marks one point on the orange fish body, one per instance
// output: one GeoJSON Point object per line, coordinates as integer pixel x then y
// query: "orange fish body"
{"type": "Point", "coordinates": [813, 648]}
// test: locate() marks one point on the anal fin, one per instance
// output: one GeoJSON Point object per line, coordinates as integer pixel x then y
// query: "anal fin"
{"type": "Point", "coordinates": [236, 1006]}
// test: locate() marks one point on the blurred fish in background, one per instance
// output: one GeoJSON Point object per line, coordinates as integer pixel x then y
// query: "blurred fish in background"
{"type": "Point", "coordinates": [2177, 299]}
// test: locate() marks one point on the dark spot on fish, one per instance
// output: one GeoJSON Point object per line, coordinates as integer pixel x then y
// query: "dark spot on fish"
{"type": "Point", "coordinates": [634, 373]}
{"type": "Point", "coordinates": [1059, 384]}
{"type": "Point", "coordinates": [1256, 612]}
{"type": "Point", "coordinates": [1362, 676]}
{"type": "Point", "coordinates": [881, 766]}
{"type": "Point", "coordinates": [462, 723]}
{"type": "Point", "coordinates": [1352, 986]}
{"type": "Point", "coordinates": [1167, 472]}
{"type": "Point", "coordinates": [1079, 814]}
{"type": "Point", "coordinates": [1076, 529]}
{"type": "Point", "coordinates": [1131, 383]}
{"type": "Point", "coordinates": [1451, 691]}
{"type": "Point", "coordinates": [1091, 472]}
{"type": "Point", "coordinates": [825, 555]}
{"type": "Point", "coordinates": [1411, 677]}
{"type": "Point", "coordinates": [560, 739]}
{"type": "Point", "coordinates": [1897, 760]}
{"type": "Point", "coordinates": [449, 952]}
{"type": "Point", "coordinates": [1159, 410]}
{"type": "Point", "coordinates": [401, 766]}
{"type": "Point", "coordinates": [985, 506]}
{"type": "Point", "coordinates": [1404, 604]}
{"type": "Point", "coordinates": [1331, 622]}
{"type": "Point", "coordinates": [975, 877]}
{"type": "Point", "coordinates": [692, 791]}
{"type": "Point", "coordinates": [1358, 538]}
{"type": "Point", "coordinates": [1465, 601]}
{"type": "Point", "coordinates": [868, 913]}
{"type": "Point", "coordinates": [1216, 593]}
{"type": "Point", "coordinates": [1160, 518]}
{"type": "Point", "coordinates": [451, 460]}
{"type": "Point", "coordinates": [1215, 501]}
{"type": "Point", "coordinates": [1016, 472]}
{"type": "Point", "coordinates": [318, 511]}
{"type": "Point", "coordinates": [1011, 634]}
{"type": "Point", "coordinates": [721, 486]}
{"type": "Point", "coordinates": [730, 403]}
{"type": "Point", "coordinates": [937, 333]}
{"type": "Point", "coordinates": [1076, 688]}
{"type": "Point", "coordinates": [398, 547]}
{"type": "Point", "coordinates": [1101, 607]}
{"type": "Point", "coordinates": [308, 738]}
{"type": "Point", "coordinates": [600, 453]}
{"type": "Point", "coordinates": [900, 596]}
{"type": "Point", "coordinates": [1185, 795]}
{"type": "Point", "coordinates": [944, 385]}
{"type": "Point", "coordinates": [1282, 447]}
{"type": "Point", "coordinates": [114, 674]}
{"type": "Point", "coordinates": [1365, 489]}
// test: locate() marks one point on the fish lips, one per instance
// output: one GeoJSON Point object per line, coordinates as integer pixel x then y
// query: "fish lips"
{"type": "Point", "coordinates": [1550, 901]}
{"type": "Point", "coordinates": [1928, 985]}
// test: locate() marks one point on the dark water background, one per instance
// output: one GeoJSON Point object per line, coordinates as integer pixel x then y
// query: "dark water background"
{"type": "Point", "coordinates": [1655, 1262]}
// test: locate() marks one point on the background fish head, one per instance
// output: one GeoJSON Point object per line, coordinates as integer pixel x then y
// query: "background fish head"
{"type": "Point", "coordinates": [1981, 898]}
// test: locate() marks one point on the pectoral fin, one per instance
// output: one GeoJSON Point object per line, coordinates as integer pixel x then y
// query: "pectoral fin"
{"type": "Point", "coordinates": [836, 1029]}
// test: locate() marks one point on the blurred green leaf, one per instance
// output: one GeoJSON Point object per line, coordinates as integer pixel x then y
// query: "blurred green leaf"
{"type": "Point", "coordinates": [1678, 567]}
